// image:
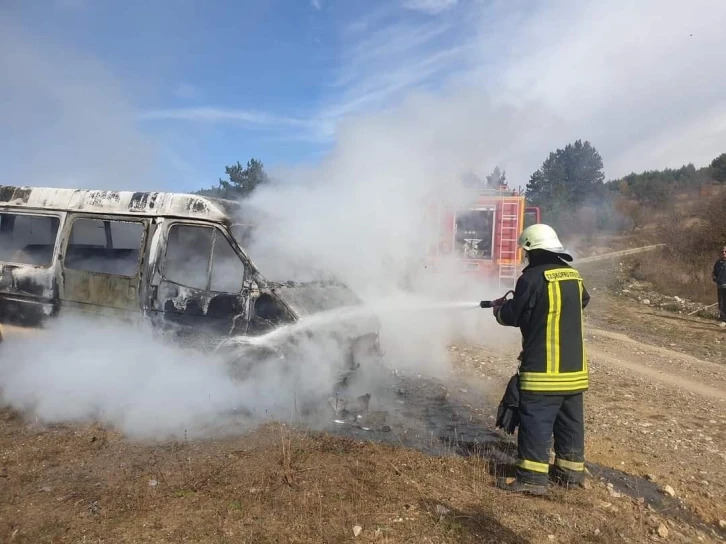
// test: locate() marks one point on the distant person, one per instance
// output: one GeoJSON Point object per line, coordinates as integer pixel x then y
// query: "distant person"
{"type": "Point", "coordinates": [547, 307]}
{"type": "Point", "coordinates": [719, 277]}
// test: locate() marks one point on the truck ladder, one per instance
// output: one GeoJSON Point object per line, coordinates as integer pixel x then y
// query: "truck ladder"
{"type": "Point", "coordinates": [508, 234]}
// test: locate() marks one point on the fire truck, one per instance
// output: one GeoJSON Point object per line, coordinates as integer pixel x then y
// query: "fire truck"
{"type": "Point", "coordinates": [481, 235]}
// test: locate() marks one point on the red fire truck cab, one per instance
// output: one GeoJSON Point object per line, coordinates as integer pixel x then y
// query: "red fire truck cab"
{"type": "Point", "coordinates": [482, 235]}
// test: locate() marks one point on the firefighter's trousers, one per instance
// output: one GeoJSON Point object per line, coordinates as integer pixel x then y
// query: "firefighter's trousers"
{"type": "Point", "coordinates": [541, 417]}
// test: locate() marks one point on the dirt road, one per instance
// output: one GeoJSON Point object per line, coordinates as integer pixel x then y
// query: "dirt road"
{"type": "Point", "coordinates": [658, 364]}
{"type": "Point", "coordinates": [656, 445]}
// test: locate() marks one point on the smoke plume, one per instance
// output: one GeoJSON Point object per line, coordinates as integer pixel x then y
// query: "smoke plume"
{"type": "Point", "coordinates": [84, 370]}
{"type": "Point", "coordinates": [363, 216]}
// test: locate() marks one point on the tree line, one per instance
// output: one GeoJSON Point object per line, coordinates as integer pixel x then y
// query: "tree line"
{"type": "Point", "coordinates": [572, 176]}
{"type": "Point", "coordinates": [569, 179]}
{"type": "Point", "coordinates": [241, 181]}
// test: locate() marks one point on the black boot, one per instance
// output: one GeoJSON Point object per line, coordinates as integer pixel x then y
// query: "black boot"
{"type": "Point", "coordinates": [517, 486]}
{"type": "Point", "coordinates": [567, 479]}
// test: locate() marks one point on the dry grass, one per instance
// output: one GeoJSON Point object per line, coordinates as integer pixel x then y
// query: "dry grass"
{"type": "Point", "coordinates": [672, 275]}
{"type": "Point", "coordinates": [86, 484]}
{"type": "Point", "coordinates": [694, 230]}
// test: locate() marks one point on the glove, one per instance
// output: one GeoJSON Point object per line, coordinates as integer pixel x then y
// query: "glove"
{"type": "Point", "coordinates": [508, 410]}
{"type": "Point", "coordinates": [498, 303]}
{"type": "Point", "coordinates": [497, 306]}
{"type": "Point", "coordinates": [507, 418]}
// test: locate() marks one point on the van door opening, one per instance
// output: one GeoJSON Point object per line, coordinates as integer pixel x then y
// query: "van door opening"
{"type": "Point", "coordinates": [202, 280]}
{"type": "Point", "coordinates": [102, 263]}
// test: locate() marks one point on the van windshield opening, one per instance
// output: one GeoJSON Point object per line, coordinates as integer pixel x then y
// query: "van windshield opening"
{"type": "Point", "coordinates": [272, 261]}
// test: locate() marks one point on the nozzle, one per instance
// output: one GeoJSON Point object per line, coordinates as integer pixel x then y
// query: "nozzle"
{"type": "Point", "coordinates": [485, 304]}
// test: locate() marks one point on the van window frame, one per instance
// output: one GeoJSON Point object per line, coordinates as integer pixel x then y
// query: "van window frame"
{"type": "Point", "coordinates": [210, 268]}
{"type": "Point", "coordinates": [143, 221]}
{"type": "Point", "coordinates": [56, 245]}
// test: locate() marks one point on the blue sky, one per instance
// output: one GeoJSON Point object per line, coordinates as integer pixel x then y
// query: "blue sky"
{"type": "Point", "coordinates": [179, 88]}
{"type": "Point", "coordinates": [223, 81]}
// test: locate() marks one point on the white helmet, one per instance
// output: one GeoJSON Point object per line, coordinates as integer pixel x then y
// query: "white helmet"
{"type": "Point", "coordinates": [544, 237]}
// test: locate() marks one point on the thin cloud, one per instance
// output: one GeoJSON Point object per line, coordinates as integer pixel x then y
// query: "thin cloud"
{"type": "Point", "coordinates": [643, 90]}
{"type": "Point", "coordinates": [317, 4]}
{"type": "Point", "coordinates": [376, 91]}
{"type": "Point", "coordinates": [386, 57]}
{"type": "Point", "coordinates": [214, 114]}
{"type": "Point", "coordinates": [432, 7]}
{"type": "Point", "coordinates": [649, 99]}
{"type": "Point", "coordinates": [389, 46]}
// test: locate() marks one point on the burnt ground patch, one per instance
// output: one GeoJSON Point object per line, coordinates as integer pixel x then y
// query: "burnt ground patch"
{"type": "Point", "coordinates": [442, 420]}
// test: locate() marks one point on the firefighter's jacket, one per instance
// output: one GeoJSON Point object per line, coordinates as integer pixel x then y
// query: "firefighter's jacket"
{"type": "Point", "coordinates": [547, 307]}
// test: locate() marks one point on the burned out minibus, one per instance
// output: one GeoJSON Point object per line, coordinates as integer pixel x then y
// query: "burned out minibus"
{"type": "Point", "coordinates": [167, 258]}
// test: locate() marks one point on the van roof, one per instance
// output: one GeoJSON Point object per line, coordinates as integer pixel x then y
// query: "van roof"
{"type": "Point", "coordinates": [129, 203]}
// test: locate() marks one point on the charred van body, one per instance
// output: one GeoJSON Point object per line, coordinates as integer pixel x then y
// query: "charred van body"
{"type": "Point", "coordinates": [167, 258]}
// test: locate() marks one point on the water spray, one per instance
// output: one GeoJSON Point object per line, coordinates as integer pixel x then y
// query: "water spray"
{"type": "Point", "coordinates": [346, 313]}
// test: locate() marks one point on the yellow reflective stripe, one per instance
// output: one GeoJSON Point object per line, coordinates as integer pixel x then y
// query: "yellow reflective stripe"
{"type": "Point", "coordinates": [570, 465]}
{"type": "Point", "coordinates": [552, 383]}
{"type": "Point", "coordinates": [569, 386]}
{"type": "Point", "coordinates": [542, 377]}
{"type": "Point", "coordinates": [562, 274]}
{"type": "Point", "coordinates": [551, 324]}
{"type": "Point", "coordinates": [554, 387]}
{"type": "Point", "coordinates": [558, 316]}
{"type": "Point", "coordinates": [534, 466]}
{"type": "Point", "coordinates": [547, 383]}
{"type": "Point", "coordinates": [582, 329]}
{"type": "Point", "coordinates": [528, 385]}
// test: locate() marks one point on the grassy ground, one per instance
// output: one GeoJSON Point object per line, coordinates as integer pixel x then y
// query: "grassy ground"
{"type": "Point", "coordinates": [85, 484]}
{"type": "Point", "coordinates": [654, 412]}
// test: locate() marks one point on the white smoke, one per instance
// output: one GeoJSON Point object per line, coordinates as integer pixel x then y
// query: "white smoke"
{"type": "Point", "coordinates": [363, 216]}
{"type": "Point", "coordinates": [83, 370]}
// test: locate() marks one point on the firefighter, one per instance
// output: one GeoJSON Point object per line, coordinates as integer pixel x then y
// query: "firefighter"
{"type": "Point", "coordinates": [719, 278]}
{"type": "Point", "coordinates": [547, 307]}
